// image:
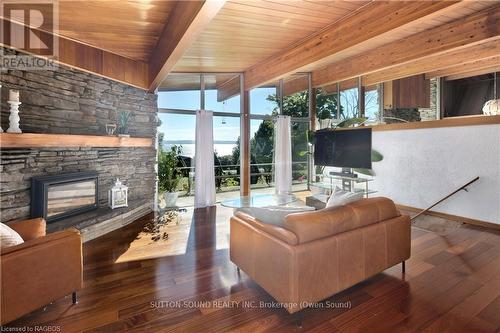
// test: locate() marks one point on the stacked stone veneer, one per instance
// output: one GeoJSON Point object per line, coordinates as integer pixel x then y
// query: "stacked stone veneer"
{"type": "Point", "coordinates": [68, 101]}
{"type": "Point", "coordinates": [134, 167]}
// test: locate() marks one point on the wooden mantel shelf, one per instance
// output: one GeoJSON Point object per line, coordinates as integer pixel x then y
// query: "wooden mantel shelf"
{"type": "Point", "coordinates": [35, 140]}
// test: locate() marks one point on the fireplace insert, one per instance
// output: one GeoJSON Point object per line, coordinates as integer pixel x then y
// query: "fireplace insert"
{"type": "Point", "coordinates": [60, 196]}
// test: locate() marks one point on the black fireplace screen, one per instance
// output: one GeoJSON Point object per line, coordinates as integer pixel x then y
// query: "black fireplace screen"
{"type": "Point", "coordinates": [56, 197]}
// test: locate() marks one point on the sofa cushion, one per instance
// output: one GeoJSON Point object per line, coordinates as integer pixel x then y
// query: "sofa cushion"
{"type": "Point", "coordinates": [8, 237]}
{"type": "Point", "coordinates": [340, 197]}
{"type": "Point", "coordinates": [274, 214]}
{"type": "Point", "coordinates": [309, 226]}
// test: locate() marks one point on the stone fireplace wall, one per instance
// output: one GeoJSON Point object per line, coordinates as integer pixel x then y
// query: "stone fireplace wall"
{"type": "Point", "coordinates": [69, 101]}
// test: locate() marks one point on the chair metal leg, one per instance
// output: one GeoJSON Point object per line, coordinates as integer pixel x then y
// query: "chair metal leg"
{"type": "Point", "coordinates": [403, 267]}
{"type": "Point", "coordinates": [74, 298]}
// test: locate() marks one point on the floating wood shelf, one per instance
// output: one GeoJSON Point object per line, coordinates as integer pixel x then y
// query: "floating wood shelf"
{"type": "Point", "coordinates": [35, 140]}
{"type": "Point", "coordinates": [445, 122]}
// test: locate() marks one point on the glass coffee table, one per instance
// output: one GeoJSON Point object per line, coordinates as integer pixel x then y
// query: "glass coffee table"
{"type": "Point", "coordinates": [260, 200]}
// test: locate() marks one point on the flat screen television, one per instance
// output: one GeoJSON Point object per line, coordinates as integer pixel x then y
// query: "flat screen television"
{"type": "Point", "coordinates": [346, 148]}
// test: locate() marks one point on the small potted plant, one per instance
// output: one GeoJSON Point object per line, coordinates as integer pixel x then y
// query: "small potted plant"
{"type": "Point", "coordinates": [122, 123]}
{"type": "Point", "coordinates": [169, 175]}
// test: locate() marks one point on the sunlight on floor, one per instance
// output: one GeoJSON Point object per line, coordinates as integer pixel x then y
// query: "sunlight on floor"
{"type": "Point", "coordinates": [179, 233]}
{"type": "Point", "coordinates": [144, 247]}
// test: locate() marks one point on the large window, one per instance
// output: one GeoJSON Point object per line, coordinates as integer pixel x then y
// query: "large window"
{"type": "Point", "coordinates": [264, 103]}
{"type": "Point", "coordinates": [296, 105]}
{"type": "Point", "coordinates": [227, 154]}
{"type": "Point", "coordinates": [349, 101]}
{"type": "Point", "coordinates": [222, 92]}
{"type": "Point", "coordinates": [261, 153]}
{"type": "Point", "coordinates": [179, 130]}
{"type": "Point", "coordinates": [181, 92]}
{"type": "Point", "coordinates": [467, 96]}
{"type": "Point", "coordinates": [179, 96]}
{"type": "Point", "coordinates": [296, 96]}
{"type": "Point", "coordinates": [264, 100]}
{"type": "Point", "coordinates": [372, 104]}
{"type": "Point", "coordinates": [326, 106]}
{"type": "Point", "coordinates": [300, 165]}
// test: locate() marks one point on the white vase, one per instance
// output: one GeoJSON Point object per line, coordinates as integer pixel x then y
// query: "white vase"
{"type": "Point", "coordinates": [170, 198]}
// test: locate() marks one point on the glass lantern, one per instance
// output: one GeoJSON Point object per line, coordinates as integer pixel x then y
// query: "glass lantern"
{"type": "Point", "coordinates": [118, 195]}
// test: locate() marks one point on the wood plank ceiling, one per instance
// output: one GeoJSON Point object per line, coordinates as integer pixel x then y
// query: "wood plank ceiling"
{"type": "Point", "coordinates": [247, 32]}
{"type": "Point", "coordinates": [138, 42]}
{"type": "Point", "coordinates": [128, 28]}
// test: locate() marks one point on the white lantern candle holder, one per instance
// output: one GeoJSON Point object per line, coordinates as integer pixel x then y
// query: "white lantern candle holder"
{"type": "Point", "coordinates": [118, 195]}
{"type": "Point", "coordinates": [14, 117]}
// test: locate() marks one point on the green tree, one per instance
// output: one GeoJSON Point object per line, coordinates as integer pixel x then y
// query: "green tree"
{"type": "Point", "coordinates": [261, 145]}
{"type": "Point", "coordinates": [326, 104]}
{"type": "Point", "coordinates": [297, 105]}
{"type": "Point", "coordinates": [161, 137]}
{"type": "Point", "coordinates": [235, 154]}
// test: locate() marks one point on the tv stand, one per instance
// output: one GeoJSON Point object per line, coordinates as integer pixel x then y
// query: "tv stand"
{"type": "Point", "coordinates": [345, 174]}
{"type": "Point", "coordinates": [328, 182]}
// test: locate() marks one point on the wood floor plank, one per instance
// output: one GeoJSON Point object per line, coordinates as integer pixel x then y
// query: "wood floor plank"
{"type": "Point", "coordinates": [491, 313]}
{"type": "Point", "coordinates": [451, 285]}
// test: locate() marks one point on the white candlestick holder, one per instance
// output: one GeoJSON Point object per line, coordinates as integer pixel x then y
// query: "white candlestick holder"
{"type": "Point", "coordinates": [14, 117]}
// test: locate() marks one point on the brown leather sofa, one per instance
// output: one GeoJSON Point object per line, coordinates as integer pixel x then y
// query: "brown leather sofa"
{"type": "Point", "coordinates": [316, 254]}
{"type": "Point", "coordinates": [39, 271]}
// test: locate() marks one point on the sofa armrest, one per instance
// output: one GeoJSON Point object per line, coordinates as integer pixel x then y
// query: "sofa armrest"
{"type": "Point", "coordinates": [40, 271]}
{"type": "Point", "coordinates": [275, 231]}
{"type": "Point", "coordinates": [46, 240]}
{"type": "Point", "coordinates": [29, 229]}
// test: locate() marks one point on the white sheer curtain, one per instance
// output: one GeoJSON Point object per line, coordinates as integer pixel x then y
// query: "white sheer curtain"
{"type": "Point", "coordinates": [283, 155]}
{"type": "Point", "coordinates": [204, 184]}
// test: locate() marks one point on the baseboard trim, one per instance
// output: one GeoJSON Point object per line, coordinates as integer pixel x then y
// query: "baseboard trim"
{"type": "Point", "coordinates": [452, 217]}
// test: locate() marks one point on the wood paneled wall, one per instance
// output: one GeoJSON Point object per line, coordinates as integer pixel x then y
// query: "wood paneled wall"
{"type": "Point", "coordinates": [410, 92]}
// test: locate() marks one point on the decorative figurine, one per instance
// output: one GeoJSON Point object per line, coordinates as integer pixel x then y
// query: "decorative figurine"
{"type": "Point", "coordinates": [14, 112]}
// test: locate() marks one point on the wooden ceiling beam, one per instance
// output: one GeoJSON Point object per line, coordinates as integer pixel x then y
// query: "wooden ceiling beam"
{"type": "Point", "coordinates": [344, 85]}
{"type": "Point", "coordinates": [370, 21]}
{"type": "Point", "coordinates": [475, 65]}
{"type": "Point", "coordinates": [228, 89]}
{"type": "Point", "coordinates": [91, 59]}
{"type": "Point", "coordinates": [187, 21]}
{"type": "Point", "coordinates": [231, 87]}
{"type": "Point", "coordinates": [295, 85]}
{"type": "Point", "coordinates": [475, 28]}
{"type": "Point", "coordinates": [479, 71]}
{"type": "Point", "coordinates": [453, 58]}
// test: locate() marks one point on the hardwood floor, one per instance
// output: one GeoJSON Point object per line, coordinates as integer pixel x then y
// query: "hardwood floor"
{"type": "Point", "coordinates": [452, 284]}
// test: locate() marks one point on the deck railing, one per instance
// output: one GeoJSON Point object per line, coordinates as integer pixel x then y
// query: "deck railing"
{"type": "Point", "coordinates": [232, 171]}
